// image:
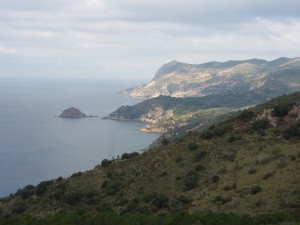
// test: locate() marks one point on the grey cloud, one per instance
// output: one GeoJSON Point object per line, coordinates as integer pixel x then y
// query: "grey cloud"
{"type": "Point", "coordinates": [133, 37]}
{"type": "Point", "coordinates": [212, 11]}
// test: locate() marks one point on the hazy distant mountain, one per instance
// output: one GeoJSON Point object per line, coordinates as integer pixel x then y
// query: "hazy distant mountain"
{"type": "Point", "coordinates": [267, 78]}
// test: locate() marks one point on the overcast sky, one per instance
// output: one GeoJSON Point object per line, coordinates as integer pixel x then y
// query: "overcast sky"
{"type": "Point", "coordinates": [132, 38]}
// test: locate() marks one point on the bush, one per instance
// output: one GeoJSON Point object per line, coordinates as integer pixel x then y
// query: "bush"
{"type": "Point", "coordinates": [262, 124]}
{"type": "Point", "coordinates": [199, 168]}
{"type": "Point", "coordinates": [192, 146]}
{"type": "Point", "coordinates": [113, 187]}
{"type": "Point", "coordinates": [42, 187]}
{"type": "Point", "coordinates": [73, 198]}
{"type": "Point", "coordinates": [254, 190]}
{"type": "Point", "coordinates": [252, 170]}
{"type": "Point", "coordinates": [105, 163]}
{"type": "Point", "coordinates": [18, 207]}
{"type": "Point", "coordinates": [178, 159]}
{"type": "Point", "coordinates": [129, 155]}
{"type": "Point", "coordinates": [221, 199]}
{"type": "Point", "coordinates": [78, 174]}
{"type": "Point", "coordinates": [221, 129]}
{"type": "Point", "coordinates": [215, 178]}
{"type": "Point", "coordinates": [230, 187]}
{"type": "Point", "coordinates": [268, 174]}
{"type": "Point", "coordinates": [199, 155]}
{"type": "Point", "coordinates": [165, 141]}
{"type": "Point", "coordinates": [281, 110]}
{"type": "Point", "coordinates": [246, 115]}
{"type": "Point", "coordinates": [160, 201]}
{"type": "Point", "coordinates": [58, 195]}
{"type": "Point", "coordinates": [292, 131]}
{"type": "Point", "coordinates": [207, 135]}
{"type": "Point", "coordinates": [234, 137]}
{"type": "Point", "coordinates": [26, 192]}
{"type": "Point", "coordinates": [190, 181]}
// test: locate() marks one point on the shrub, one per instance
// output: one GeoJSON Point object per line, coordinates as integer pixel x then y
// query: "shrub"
{"type": "Point", "coordinates": [104, 184]}
{"type": "Point", "coordinates": [215, 178]}
{"type": "Point", "coordinates": [221, 199]}
{"type": "Point", "coordinates": [199, 168]}
{"type": "Point", "coordinates": [105, 163]}
{"type": "Point", "coordinates": [18, 207]}
{"type": "Point", "coordinates": [160, 201]}
{"type": "Point", "coordinates": [192, 146]}
{"type": "Point", "coordinates": [252, 170]}
{"type": "Point", "coordinates": [165, 141]}
{"type": "Point", "coordinates": [199, 155]}
{"type": "Point", "coordinates": [262, 124]}
{"type": "Point", "coordinates": [221, 129]}
{"type": "Point", "coordinates": [129, 155]}
{"type": "Point", "coordinates": [113, 187]}
{"type": "Point", "coordinates": [58, 195]}
{"type": "Point", "coordinates": [190, 181]}
{"type": "Point", "coordinates": [281, 110]}
{"type": "Point", "coordinates": [269, 174]}
{"type": "Point", "coordinates": [26, 192]}
{"type": "Point", "coordinates": [254, 190]}
{"type": "Point", "coordinates": [149, 197]}
{"type": "Point", "coordinates": [226, 199]}
{"type": "Point", "coordinates": [230, 187]}
{"type": "Point", "coordinates": [207, 135]}
{"type": "Point", "coordinates": [292, 131]}
{"type": "Point", "coordinates": [234, 137]}
{"type": "Point", "coordinates": [42, 187]}
{"type": "Point", "coordinates": [178, 159]}
{"type": "Point", "coordinates": [163, 173]}
{"type": "Point", "coordinates": [78, 174]}
{"type": "Point", "coordinates": [230, 156]}
{"type": "Point", "coordinates": [246, 115]}
{"type": "Point", "coordinates": [73, 198]}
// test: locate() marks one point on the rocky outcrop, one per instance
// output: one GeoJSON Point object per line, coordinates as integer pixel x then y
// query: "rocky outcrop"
{"type": "Point", "coordinates": [73, 112]}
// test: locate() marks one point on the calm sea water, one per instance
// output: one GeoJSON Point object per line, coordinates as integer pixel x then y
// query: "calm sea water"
{"type": "Point", "coordinates": [35, 145]}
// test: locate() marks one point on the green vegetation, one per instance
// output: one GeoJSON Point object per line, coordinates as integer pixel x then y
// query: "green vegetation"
{"type": "Point", "coordinates": [192, 146]}
{"type": "Point", "coordinates": [292, 131]}
{"type": "Point", "coordinates": [255, 190]}
{"type": "Point", "coordinates": [246, 115]}
{"type": "Point", "coordinates": [281, 110]}
{"type": "Point", "coordinates": [262, 124]}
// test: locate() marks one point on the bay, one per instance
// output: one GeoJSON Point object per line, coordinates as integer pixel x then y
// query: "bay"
{"type": "Point", "coordinates": [35, 145]}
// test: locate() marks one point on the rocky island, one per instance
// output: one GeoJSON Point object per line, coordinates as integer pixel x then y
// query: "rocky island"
{"type": "Point", "coordinates": [73, 112]}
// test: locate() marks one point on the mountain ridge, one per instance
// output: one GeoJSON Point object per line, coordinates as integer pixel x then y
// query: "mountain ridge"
{"type": "Point", "coordinates": [179, 79]}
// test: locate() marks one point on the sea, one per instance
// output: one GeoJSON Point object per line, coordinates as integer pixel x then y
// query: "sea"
{"type": "Point", "coordinates": [36, 145]}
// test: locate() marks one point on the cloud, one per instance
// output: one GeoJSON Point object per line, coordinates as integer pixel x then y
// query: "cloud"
{"type": "Point", "coordinates": [7, 50]}
{"type": "Point", "coordinates": [132, 38]}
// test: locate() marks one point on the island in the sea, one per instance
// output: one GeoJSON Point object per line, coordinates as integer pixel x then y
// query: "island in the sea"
{"type": "Point", "coordinates": [73, 112]}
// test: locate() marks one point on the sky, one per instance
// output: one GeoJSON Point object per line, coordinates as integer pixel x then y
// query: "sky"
{"type": "Point", "coordinates": [131, 39]}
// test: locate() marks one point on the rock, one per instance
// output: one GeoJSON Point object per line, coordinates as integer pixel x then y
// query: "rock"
{"type": "Point", "coordinates": [73, 112]}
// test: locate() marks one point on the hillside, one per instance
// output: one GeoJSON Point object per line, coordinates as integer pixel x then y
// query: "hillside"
{"type": "Point", "coordinates": [267, 78]}
{"type": "Point", "coordinates": [245, 165]}
{"type": "Point", "coordinates": [166, 113]}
